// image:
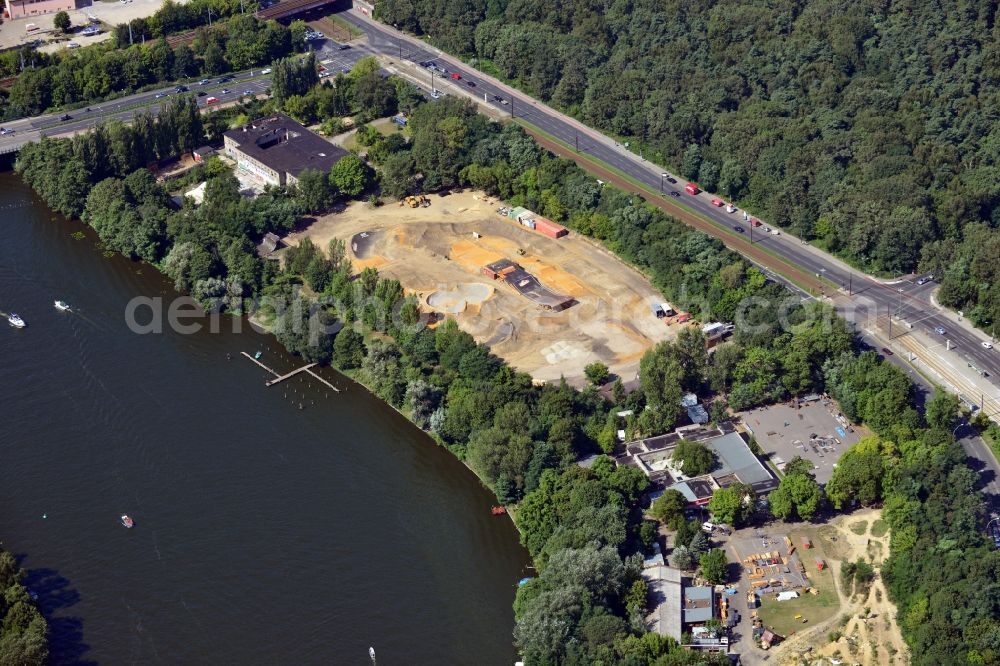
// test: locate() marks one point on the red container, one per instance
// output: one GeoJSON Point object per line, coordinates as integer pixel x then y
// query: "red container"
{"type": "Point", "coordinates": [691, 188]}
{"type": "Point", "coordinates": [549, 228]}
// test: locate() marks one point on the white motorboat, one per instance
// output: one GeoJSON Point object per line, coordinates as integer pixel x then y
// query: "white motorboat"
{"type": "Point", "coordinates": [15, 321]}
{"type": "Point", "coordinates": [62, 306]}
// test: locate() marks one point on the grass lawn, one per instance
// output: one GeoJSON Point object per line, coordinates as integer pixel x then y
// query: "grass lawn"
{"type": "Point", "coordinates": [859, 527]}
{"type": "Point", "coordinates": [880, 528]}
{"type": "Point", "coordinates": [780, 615]}
{"type": "Point", "coordinates": [385, 127]}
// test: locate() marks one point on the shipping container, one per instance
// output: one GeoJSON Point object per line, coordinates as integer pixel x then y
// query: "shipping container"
{"type": "Point", "coordinates": [549, 228]}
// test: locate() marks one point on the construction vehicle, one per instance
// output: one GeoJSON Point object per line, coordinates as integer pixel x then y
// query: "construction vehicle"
{"type": "Point", "coordinates": [416, 201]}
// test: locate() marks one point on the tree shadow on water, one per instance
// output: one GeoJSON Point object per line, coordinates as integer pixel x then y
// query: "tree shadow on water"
{"type": "Point", "coordinates": [66, 644]}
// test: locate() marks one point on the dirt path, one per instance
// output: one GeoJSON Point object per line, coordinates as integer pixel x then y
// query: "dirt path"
{"type": "Point", "coordinates": [866, 623]}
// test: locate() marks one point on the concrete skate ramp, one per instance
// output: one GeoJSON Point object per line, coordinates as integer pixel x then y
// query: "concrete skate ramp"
{"type": "Point", "coordinates": [456, 300]}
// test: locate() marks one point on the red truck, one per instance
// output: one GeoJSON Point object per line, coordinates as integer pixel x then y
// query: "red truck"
{"type": "Point", "coordinates": [691, 188]}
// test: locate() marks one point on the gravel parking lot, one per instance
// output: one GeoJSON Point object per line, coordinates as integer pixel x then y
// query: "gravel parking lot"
{"type": "Point", "coordinates": [811, 430]}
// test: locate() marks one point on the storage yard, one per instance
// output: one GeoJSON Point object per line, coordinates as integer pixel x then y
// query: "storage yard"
{"type": "Point", "coordinates": [550, 304]}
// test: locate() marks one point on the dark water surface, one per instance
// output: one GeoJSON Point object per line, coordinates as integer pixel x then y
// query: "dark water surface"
{"type": "Point", "coordinates": [264, 534]}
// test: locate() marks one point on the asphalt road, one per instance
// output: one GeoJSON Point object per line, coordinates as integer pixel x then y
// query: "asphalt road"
{"type": "Point", "coordinates": [238, 84]}
{"type": "Point", "coordinates": [868, 297]}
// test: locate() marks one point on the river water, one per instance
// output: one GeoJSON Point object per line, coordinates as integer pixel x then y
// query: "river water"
{"type": "Point", "coordinates": [265, 533]}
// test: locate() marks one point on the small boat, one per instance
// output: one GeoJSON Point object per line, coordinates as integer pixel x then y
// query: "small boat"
{"type": "Point", "coordinates": [15, 321]}
{"type": "Point", "coordinates": [371, 653]}
{"type": "Point", "coordinates": [524, 581]}
{"type": "Point", "coordinates": [258, 355]}
{"type": "Point", "coordinates": [498, 511]}
{"type": "Point", "coordinates": [127, 521]}
{"type": "Point", "coordinates": [62, 306]}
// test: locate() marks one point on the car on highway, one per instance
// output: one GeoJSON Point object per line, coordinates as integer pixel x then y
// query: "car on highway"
{"type": "Point", "coordinates": [987, 344]}
{"type": "Point", "coordinates": [456, 76]}
{"type": "Point", "coordinates": [675, 194]}
{"type": "Point", "coordinates": [504, 102]}
{"type": "Point", "coordinates": [204, 82]}
{"type": "Point", "coordinates": [718, 203]}
{"type": "Point", "coordinates": [248, 92]}
{"type": "Point", "coordinates": [64, 117]}
{"type": "Point", "coordinates": [740, 230]}
{"type": "Point", "coordinates": [5, 131]}
{"type": "Point", "coordinates": [471, 84]}
{"type": "Point", "coordinates": [343, 47]}
{"type": "Point", "coordinates": [211, 100]}
{"type": "Point", "coordinates": [497, 98]}
{"type": "Point", "coordinates": [181, 89]}
{"type": "Point", "coordinates": [939, 330]}
{"type": "Point", "coordinates": [266, 70]}
{"type": "Point", "coordinates": [161, 95]}
{"type": "Point", "coordinates": [886, 351]}
{"type": "Point", "coordinates": [202, 93]}
{"type": "Point", "coordinates": [225, 91]}
{"type": "Point", "coordinates": [671, 179]}
{"type": "Point", "coordinates": [225, 79]}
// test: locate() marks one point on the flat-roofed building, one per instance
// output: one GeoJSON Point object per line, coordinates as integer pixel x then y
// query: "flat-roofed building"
{"type": "Point", "coordinates": [22, 8]}
{"type": "Point", "coordinates": [276, 149]}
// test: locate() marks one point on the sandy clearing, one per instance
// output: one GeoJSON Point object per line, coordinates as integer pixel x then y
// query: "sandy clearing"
{"type": "Point", "coordinates": [871, 639]}
{"type": "Point", "coordinates": [434, 249]}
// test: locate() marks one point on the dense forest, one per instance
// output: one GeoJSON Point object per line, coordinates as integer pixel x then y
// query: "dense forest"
{"type": "Point", "coordinates": [583, 527]}
{"type": "Point", "coordinates": [24, 639]}
{"type": "Point", "coordinates": [864, 126]}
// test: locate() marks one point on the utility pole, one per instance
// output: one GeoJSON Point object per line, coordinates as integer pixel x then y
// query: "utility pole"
{"type": "Point", "coordinates": [751, 233]}
{"type": "Point", "coordinates": [662, 176]}
{"type": "Point", "coordinates": [511, 106]}
{"type": "Point", "coordinates": [209, 17]}
{"type": "Point", "coordinates": [850, 284]}
{"type": "Point", "coordinates": [130, 33]}
{"type": "Point", "coordinates": [890, 324]}
{"type": "Point", "coordinates": [577, 137]}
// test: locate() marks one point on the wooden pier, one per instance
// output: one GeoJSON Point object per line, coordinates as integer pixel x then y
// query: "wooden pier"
{"type": "Point", "coordinates": [280, 378]}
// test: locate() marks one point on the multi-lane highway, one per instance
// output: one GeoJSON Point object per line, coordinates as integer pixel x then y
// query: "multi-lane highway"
{"type": "Point", "coordinates": [858, 297]}
{"type": "Point", "coordinates": [225, 89]}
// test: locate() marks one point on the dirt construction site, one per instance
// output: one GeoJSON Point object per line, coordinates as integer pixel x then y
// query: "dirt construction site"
{"type": "Point", "coordinates": [438, 252]}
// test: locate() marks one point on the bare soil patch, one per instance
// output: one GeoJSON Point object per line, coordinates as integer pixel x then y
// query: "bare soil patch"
{"type": "Point", "coordinates": [438, 253]}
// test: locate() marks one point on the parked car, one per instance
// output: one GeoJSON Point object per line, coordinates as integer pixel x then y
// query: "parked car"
{"type": "Point", "coordinates": [72, 45]}
{"type": "Point", "coordinates": [987, 344]}
{"type": "Point", "coordinates": [436, 94]}
{"type": "Point", "coordinates": [886, 351]}
{"type": "Point", "coordinates": [718, 203]}
{"type": "Point", "coordinates": [343, 47]}
{"type": "Point", "coordinates": [730, 208]}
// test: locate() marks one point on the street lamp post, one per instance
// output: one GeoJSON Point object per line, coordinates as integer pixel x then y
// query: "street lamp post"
{"type": "Point", "coordinates": [662, 176]}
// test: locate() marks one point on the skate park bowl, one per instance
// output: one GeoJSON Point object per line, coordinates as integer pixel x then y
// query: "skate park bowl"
{"type": "Point", "coordinates": [454, 301]}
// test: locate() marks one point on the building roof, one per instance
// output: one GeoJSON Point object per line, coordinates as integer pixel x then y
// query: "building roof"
{"type": "Point", "coordinates": [736, 458]}
{"type": "Point", "coordinates": [697, 414]}
{"type": "Point", "coordinates": [698, 602]}
{"type": "Point", "coordinates": [284, 145]}
{"type": "Point", "coordinates": [665, 587]}
{"type": "Point", "coordinates": [204, 150]}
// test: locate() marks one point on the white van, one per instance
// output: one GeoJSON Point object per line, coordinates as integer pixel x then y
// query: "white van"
{"type": "Point", "coordinates": [707, 527]}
